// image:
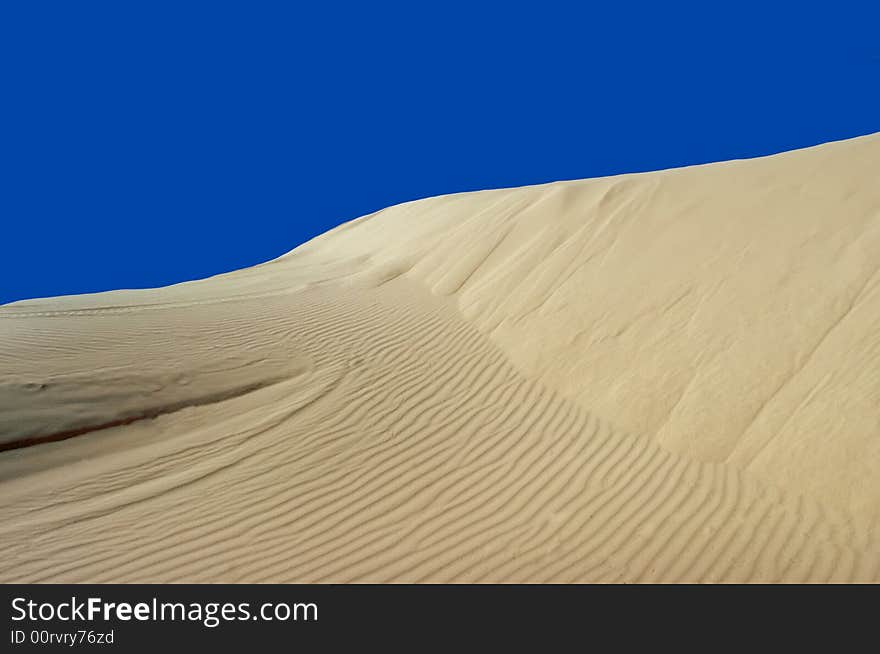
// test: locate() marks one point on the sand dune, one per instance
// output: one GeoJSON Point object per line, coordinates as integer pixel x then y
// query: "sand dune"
{"type": "Point", "coordinates": [669, 376]}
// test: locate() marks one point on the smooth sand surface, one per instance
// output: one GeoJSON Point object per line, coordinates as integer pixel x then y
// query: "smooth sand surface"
{"type": "Point", "coordinates": [669, 376]}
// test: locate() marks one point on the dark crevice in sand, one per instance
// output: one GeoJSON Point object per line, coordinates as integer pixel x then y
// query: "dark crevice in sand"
{"type": "Point", "coordinates": [147, 414]}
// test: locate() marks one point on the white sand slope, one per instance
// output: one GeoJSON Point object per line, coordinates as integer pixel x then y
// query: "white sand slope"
{"type": "Point", "coordinates": [671, 376]}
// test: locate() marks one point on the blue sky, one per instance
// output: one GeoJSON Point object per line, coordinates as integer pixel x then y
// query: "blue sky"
{"type": "Point", "coordinates": [146, 143]}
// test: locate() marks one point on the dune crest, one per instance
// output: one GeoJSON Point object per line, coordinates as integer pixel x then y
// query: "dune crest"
{"type": "Point", "coordinates": [665, 376]}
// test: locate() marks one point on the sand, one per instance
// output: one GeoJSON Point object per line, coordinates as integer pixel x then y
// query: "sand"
{"type": "Point", "coordinates": [667, 376]}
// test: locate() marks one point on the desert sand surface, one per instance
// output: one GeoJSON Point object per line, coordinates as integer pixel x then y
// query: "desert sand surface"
{"type": "Point", "coordinates": [669, 376]}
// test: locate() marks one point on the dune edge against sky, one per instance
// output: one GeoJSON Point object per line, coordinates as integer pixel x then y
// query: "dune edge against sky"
{"type": "Point", "coordinates": [652, 377]}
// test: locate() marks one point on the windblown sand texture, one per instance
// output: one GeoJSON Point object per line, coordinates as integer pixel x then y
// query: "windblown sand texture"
{"type": "Point", "coordinates": [669, 376]}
